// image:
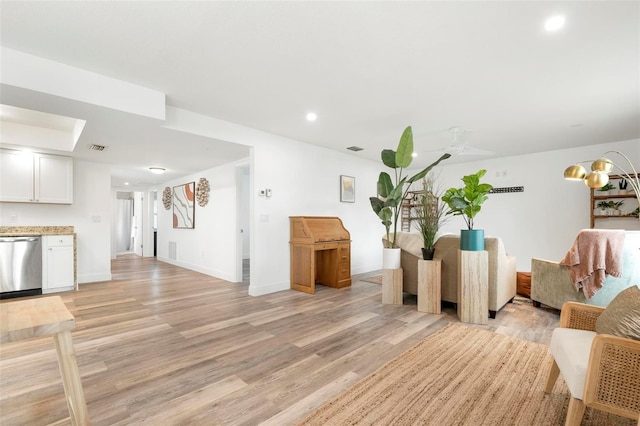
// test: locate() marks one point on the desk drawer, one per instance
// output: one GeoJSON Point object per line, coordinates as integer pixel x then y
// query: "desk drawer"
{"type": "Point", "coordinates": [344, 270]}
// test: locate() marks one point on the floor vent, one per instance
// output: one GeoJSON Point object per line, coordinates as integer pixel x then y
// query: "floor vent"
{"type": "Point", "coordinates": [172, 250]}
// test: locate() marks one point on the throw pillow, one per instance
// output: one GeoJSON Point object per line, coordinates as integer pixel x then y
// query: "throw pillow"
{"type": "Point", "coordinates": [622, 316]}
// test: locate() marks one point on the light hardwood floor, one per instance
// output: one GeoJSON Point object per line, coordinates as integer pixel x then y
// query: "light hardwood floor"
{"type": "Point", "coordinates": [164, 345]}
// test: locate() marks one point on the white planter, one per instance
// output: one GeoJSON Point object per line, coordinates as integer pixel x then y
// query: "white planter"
{"type": "Point", "coordinates": [622, 192]}
{"type": "Point", "coordinates": [391, 258]}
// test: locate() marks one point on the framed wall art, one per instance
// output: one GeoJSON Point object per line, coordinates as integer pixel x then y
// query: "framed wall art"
{"type": "Point", "coordinates": [347, 189]}
{"type": "Point", "coordinates": [184, 205]}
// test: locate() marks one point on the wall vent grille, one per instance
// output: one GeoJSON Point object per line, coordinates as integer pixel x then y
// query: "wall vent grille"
{"type": "Point", "coordinates": [354, 148]}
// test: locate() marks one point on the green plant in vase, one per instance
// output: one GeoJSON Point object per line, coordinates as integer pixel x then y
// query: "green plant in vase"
{"type": "Point", "coordinates": [603, 206]}
{"type": "Point", "coordinates": [430, 215]}
{"type": "Point", "coordinates": [467, 202]}
{"type": "Point", "coordinates": [605, 189]}
{"type": "Point", "coordinates": [616, 207]}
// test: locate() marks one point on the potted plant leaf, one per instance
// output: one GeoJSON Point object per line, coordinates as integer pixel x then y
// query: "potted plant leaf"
{"type": "Point", "coordinates": [605, 190]}
{"type": "Point", "coordinates": [467, 202]}
{"type": "Point", "coordinates": [430, 215]}
{"type": "Point", "coordinates": [603, 206]}
{"type": "Point", "coordinates": [387, 204]}
{"type": "Point", "coordinates": [616, 207]}
{"type": "Point", "coordinates": [622, 187]}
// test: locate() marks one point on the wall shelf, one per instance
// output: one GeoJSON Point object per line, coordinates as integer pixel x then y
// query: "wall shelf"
{"type": "Point", "coordinates": [595, 198]}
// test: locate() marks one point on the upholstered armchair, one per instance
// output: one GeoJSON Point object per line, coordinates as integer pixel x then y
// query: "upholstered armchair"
{"type": "Point", "coordinates": [601, 370]}
{"type": "Point", "coordinates": [502, 268]}
{"type": "Point", "coordinates": [551, 285]}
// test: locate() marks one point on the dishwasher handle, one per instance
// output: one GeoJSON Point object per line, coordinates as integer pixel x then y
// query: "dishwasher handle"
{"type": "Point", "coordinates": [19, 239]}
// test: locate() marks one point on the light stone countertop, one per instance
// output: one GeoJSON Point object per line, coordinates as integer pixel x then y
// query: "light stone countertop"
{"type": "Point", "coordinates": [16, 231]}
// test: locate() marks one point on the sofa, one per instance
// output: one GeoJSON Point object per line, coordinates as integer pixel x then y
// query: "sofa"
{"type": "Point", "coordinates": [551, 286]}
{"type": "Point", "coordinates": [502, 268]}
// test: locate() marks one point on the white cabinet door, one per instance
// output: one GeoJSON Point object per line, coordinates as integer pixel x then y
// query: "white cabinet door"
{"type": "Point", "coordinates": [57, 274]}
{"type": "Point", "coordinates": [53, 179]}
{"type": "Point", "coordinates": [16, 176]}
{"type": "Point", "coordinates": [27, 177]}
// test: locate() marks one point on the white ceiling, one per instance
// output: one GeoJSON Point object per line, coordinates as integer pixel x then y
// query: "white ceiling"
{"type": "Point", "coordinates": [368, 69]}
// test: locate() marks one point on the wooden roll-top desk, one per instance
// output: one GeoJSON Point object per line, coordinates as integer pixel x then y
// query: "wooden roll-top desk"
{"type": "Point", "coordinates": [320, 253]}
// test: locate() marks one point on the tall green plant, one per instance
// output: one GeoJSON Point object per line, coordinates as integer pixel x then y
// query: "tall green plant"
{"type": "Point", "coordinates": [467, 201]}
{"type": "Point", "coordinates": [387, 204]}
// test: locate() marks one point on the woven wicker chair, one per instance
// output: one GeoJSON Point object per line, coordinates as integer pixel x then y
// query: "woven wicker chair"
{"type": "Point", "coordinates": [612, 376]}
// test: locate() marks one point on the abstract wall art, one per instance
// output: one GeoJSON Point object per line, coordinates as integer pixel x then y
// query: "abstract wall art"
{"type": "Point", "coordinates": [184, 205]}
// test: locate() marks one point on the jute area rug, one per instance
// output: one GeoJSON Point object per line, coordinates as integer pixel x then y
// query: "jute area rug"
{"type": "Point", "coordinates": [460, 375]}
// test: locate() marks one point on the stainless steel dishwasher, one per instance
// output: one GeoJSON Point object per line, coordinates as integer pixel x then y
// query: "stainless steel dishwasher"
{"type": "Point", "coordinates": [20, 266]}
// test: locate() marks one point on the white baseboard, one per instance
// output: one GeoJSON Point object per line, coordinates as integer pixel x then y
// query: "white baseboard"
{"type": "Point", "coordinates": [267, 289]}
{"type": "Point", "coordinates": [203, 270]}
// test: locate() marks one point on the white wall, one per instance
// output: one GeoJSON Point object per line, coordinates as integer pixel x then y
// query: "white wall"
{"type": "Point", "coordinates": [90, 215]}
{"type": "Point", "coordinates": [304, 180]}
{"type": "Point", "coordinates": [210, 247]}
{"type": "Point", "coordinates": [303, 186]}
{"type": "Point", "coordinates": [543, 220]}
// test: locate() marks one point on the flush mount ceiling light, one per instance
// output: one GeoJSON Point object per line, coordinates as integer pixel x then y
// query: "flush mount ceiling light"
{"type": "Point", "coordinates": [312, 116]}
{"type": "Point", "coordinates": [554, 23]}
{"type": "Point", "coordinates": [157, 170]}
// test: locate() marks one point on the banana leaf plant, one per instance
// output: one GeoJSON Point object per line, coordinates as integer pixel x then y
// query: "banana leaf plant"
{"type": "Point", "coordinates": [388, 203]}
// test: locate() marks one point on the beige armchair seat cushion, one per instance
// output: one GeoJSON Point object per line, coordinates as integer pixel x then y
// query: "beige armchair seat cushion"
{"type": "Point", "coordinates": [570, 349]}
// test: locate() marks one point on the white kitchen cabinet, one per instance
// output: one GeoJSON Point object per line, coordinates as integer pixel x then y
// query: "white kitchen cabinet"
{"type": "Point", "coordinates": [33, 177]}
{"type": "Point", "coordinates": [57, 263]}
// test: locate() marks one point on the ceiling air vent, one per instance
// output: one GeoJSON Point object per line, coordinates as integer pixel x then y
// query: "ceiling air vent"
{"type": "Point", "coordinates": [355, 148]}
{"type": "Point", "coordinates": [94, 147]}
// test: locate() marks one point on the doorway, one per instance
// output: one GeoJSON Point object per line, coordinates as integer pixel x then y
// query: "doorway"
{"type": "Point", "coordinates": [124, 235]}
{"type": "Point", "coordinates": [243, 188]}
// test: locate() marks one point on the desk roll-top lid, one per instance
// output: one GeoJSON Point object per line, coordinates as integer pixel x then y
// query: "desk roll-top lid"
{"type": "Point", "coordinates": [317, 229]}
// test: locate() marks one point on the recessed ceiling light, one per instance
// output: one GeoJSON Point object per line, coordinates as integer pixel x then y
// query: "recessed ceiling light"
{"type": "Point", "coordinates": [414, 154]}
{"type": "Point", "coordinates": [126, 183]}
{"type": "Point", "coordinates": [312, 116]}
{"type": "Point", "coordinates": [554, 23]}
{"type": "Point", "coordinates": [157, 170]}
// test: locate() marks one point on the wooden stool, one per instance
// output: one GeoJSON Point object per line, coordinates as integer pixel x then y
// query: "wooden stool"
{"type": "Point", "coordinates": [48, 316]}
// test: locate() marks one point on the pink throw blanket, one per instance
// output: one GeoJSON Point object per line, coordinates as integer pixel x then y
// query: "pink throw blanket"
{"type": "Point", "coordinates": [594, 254]}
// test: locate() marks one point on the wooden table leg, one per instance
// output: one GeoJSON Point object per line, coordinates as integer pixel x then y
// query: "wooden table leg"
{"type": "Point", "coordinates": [71, 378]}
